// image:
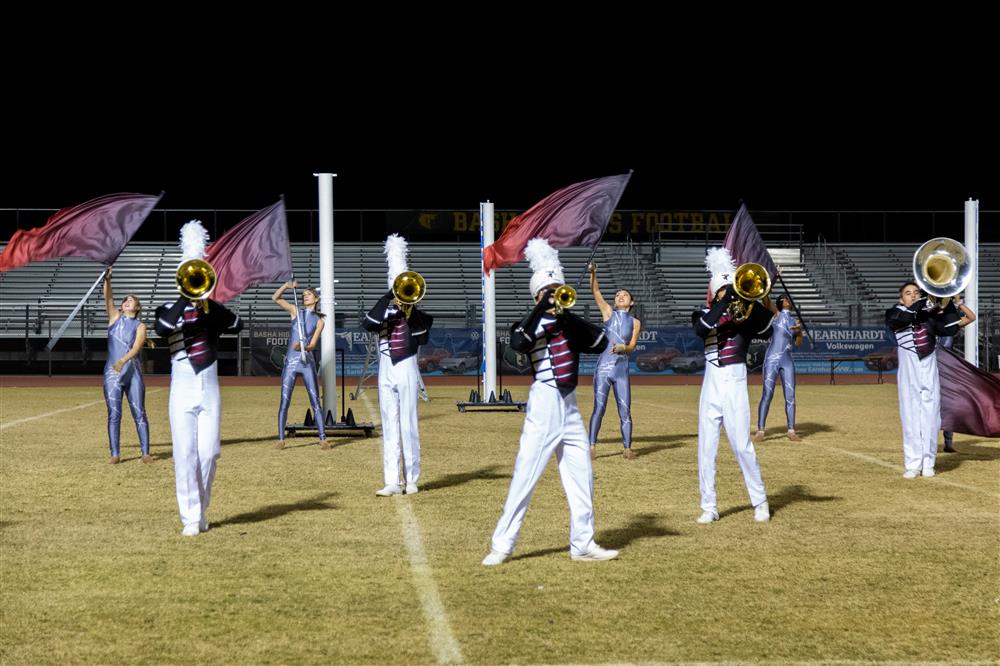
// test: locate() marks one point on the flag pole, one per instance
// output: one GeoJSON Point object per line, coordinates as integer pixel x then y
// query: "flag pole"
{"type": "Point", "coordinates": [805, 329]}
{"type": "Point", "coordinates": [604, 233]}
{"type": "Point", "coordinates": [65, 324]}
{"type": "Point", "coordinates": [298, 320]}
{"type": "Point", "coordinates": [62, 329]}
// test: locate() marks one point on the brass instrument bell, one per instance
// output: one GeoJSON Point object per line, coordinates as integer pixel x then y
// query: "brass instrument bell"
{"type": "Point", "coordinates": [942, 268]}
{"type": "Point", "coordinates": [196, 280]}
{"type": "Point", "coordinates": [751, 283]}
{"type": "Point", "coordinates": [408, 288]}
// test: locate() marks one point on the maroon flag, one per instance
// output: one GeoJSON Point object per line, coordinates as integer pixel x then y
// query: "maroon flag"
{"type": "Point", "coordinates": [575, 216]}
{"type": "Point", "coordinates": [98, 229]}
{"type": "Point", "coordinates": [252, 252]}
{"type": "Point", "coordinates": [745, 244]}
{"type": "Point", "coordinates": [970, 398]}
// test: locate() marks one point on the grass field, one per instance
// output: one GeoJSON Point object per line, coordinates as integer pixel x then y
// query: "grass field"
{"type": "Point", "coordinates": [303, 564]}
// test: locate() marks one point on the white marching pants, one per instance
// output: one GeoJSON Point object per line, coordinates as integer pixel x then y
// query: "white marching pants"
{"type": "Point", "coordinates": [919, 408]}
{"type": "Point", "coordinates": [552, 424]}
{"type": "Point", "coordinates": [398, 394]}
{"type": "Point", "coordinates": [195, 412]}
{"type": "Point", "coordinates": [724, 401]}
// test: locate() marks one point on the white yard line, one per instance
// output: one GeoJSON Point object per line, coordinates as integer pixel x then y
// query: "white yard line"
{"type": "Point", "coordinates": [441, 638]}
{"type": "Point", "coordinates": [853, 454]}
{"type": "Point", "coordinates": [897, 468]}
{"type": "Point", "coordinates": [442, 641]}
{"type": "Point", "coordinates": [8, 424]}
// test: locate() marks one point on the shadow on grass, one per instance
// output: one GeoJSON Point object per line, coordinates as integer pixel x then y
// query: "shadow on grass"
{"type": "Point", "coordinates": [451, 480]}
{"type": "Point", "coordinates": [663, 443]}
{"type": "Point", "coordinates": [804, 430]}
{"type": "Point", "coordinates": [642, 526]}
{"type": "Point", "coordinates": [967, 451]}
{"type": "Point", "coordinates": [784, 497]}
{"type": "Point", "coordinates": [316, 503]}
{"type": "Point", "coordinates": [651, 438]}
{"type": "Point", "coordinates": [247, 440]}
{"type": "Point", "coordinates": [640, 451]}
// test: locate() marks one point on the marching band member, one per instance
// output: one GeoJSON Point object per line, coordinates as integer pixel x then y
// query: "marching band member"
{"type": "Point", "coordinates": [307, 324]}
{"type": "Point", "coordinates": [554, 339]}
{"type": "Point", "coordinates": [916, 324]}
{"type": "Point", "coordinates": [122, 371]}
{"type": "Point", "coordinates": [195, 407]}
{"type": "Point", "coordinates": [724, 398]}
{"type": "Point", "coordinates": [612, 371]}
{"type": "Point", "coordinates": [402, 329]}
{"type": "Point", "coordinates": [778, 363]}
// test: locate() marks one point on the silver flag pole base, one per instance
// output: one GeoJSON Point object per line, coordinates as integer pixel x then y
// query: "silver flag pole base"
{"type": "Point", "coordinates": [506, 403]}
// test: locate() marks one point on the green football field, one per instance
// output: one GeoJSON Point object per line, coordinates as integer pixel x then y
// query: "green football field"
{"type": "Point", "coordinates": [305, 565]}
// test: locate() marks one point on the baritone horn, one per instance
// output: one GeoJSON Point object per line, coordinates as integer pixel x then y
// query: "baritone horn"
{"type": "Point", "coordinates": [408, 288]}
{"type": "Point", "coordinates": [942, 268]}
{"type": "Point", "coordinates": [195, 281]}
{"type": "Point", "coordinates": [751, 283]}
{"type": "Point", "coordinates": [565, 297]}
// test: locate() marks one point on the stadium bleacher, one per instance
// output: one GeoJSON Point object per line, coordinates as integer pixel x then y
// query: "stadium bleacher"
{"type": "Point", "coordinates": [832, 283]}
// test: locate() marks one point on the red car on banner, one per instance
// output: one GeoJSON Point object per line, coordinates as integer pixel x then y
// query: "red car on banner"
{"type": "Point", "coordinates": [430, 358]}
{"type": "Point", "coordinates": [656, 361]}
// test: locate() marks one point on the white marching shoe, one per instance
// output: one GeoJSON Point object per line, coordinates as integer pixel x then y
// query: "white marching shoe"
{"type": "Point", "coordinates": [389, 490]}
{"type": "Point", "coordinates": [191, 530]}
{"type": "Point", "coordinates": [203, 525]}
{"type": "Point", "coordinates": [928, 471]}
{"type": "Point", "coordinates": [762, 512]}
{"type": "Point", "coordinates": [911, 473]}
{"type": "Point", "coordinates": [411, 489]}
{"type": "Point", "coordinates": [596, 554]}
{"type": "Point", "coordinates": [707, 517]}
{"type": "Point", "coordinates": [494, 558]}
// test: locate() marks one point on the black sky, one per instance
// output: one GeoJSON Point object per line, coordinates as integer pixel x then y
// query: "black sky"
{"type": "Point", "coordinates": [459, 171]}
{"type": "Point", "coordinates": [789, 150]}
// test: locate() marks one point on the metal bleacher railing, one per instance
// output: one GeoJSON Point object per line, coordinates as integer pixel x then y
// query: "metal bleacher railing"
{"type": "Point", "coordinates": [831, 282]}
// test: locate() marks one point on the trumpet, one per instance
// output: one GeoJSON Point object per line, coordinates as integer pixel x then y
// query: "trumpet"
{"type": "Point", "coordinates": [942, 269]}
{"type": "Point", "coordinates": [196, 280]}
{"type": "Point", "coordinates": [565, 297]}
{"type": "Point", "coordinates": [751, 283]}
{"type": "Point", "coordinates": [408, 288]}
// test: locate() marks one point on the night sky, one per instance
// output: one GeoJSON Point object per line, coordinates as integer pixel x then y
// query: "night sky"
{"type": "Point", "coordinates": [402, 158]}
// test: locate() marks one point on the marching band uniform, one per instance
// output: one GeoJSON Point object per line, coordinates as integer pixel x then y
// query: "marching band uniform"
{"type": "Point", "coordinates": [194, 404]}
{"type": "Point", "coordinates": [552, 421]}
{"type": "Point", "coordinates": [724, 398]}
{"type": "Point", "coordinates": [301, 362]}
{"type": "Point", "coordinates": [400, 338]}
{"type": "Point", "coordinates": [916, 328]}
{"type": "Point", "coordinates": [128, 382]}
{"type": "Point", "coordinates": [778, 363]}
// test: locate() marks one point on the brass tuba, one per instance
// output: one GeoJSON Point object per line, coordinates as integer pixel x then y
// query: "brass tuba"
{"type": "Point", "coordinates": [751, 283]}
{"type": "Point", "coordinates": [565, 297]}
{"type": "Point", "coordinates": [408, 288]}
{"type": "Point", "coordinates": [196, 280]}
{"type": "Point", "coordinates": [942, 268]}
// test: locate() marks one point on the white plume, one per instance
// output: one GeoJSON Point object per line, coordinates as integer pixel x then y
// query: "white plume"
{"type": "Point", "coordinates": [395, 256]}
{"type": "Point", "coordinates": [544, 260]}
{"type": "Point", "coordinates": [194, 237]}
{"type": "Point", "coordinates": [718, 260]}
{"type": "Point", "coordinates": [720, 264]}
{"type": "Point", "coordinates": [541, 255]}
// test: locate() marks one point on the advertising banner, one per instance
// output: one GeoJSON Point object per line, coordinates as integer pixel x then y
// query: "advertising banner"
{"type": "Point", "coordinates": [672, 350]}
